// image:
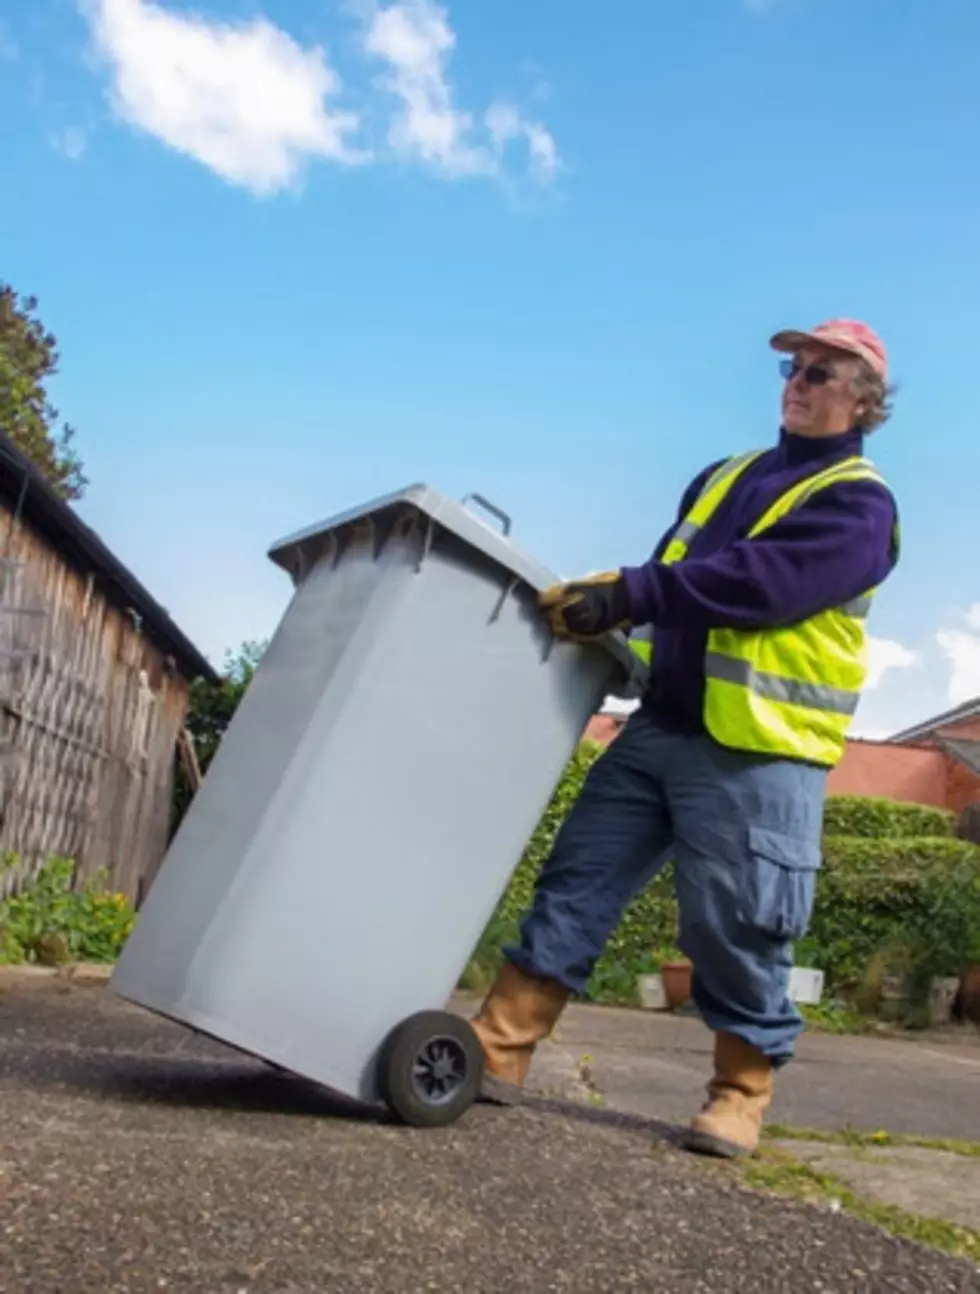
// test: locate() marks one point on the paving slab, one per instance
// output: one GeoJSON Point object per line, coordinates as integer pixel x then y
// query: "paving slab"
{"type": "Point", "coordinates": [929, 1183]}
{"type": "Point", "coordinates": [137, 1157]}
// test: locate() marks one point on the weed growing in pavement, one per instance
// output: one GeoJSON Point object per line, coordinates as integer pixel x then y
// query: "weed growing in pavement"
{"type": "Point", "coordinates": [879, 1139]}
{"type": "Point", "coordinates": [776, 1171]}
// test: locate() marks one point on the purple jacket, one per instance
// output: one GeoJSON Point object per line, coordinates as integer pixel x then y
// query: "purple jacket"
{"type": "Point", "coordinates": [835, 547]}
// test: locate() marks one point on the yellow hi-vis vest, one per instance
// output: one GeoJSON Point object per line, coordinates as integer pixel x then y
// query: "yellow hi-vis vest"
{"type": "Point", "coordinates": [790, 691]}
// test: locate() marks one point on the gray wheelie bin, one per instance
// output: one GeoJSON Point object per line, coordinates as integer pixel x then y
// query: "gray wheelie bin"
{"type": "Point", "coordinates": [369, 803]}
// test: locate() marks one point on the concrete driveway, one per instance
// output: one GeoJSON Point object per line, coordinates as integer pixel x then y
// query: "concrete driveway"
{"type": "Point", "coordinates": [656, 1065]}
{"type": "Point", "coordinates": [136, 1157]}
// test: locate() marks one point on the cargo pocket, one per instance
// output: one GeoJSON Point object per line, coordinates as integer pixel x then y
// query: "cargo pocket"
{"type": "Point", "coordinates": [780, 882]}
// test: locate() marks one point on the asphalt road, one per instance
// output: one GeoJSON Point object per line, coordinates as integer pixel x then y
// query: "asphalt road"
{"type": "Point", "coordinates": [135, 1157]}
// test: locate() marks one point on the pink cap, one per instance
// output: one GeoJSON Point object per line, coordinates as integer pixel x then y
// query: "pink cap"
{"type": "Point", "coordinates": [841, 334]}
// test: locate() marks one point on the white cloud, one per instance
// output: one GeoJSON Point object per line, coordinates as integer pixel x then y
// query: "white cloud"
{"type": "Point", "coordinates": [248, 101]}
{"type": "Point", "coordinates": [884, 655]}
{"type": "Point", "coordinates": [70, 143]}
{"type": "Point", "coordinates": [242, 98]}
{"type": "Point", "coordinates": [505, 124]}
{"type": "Point", "coordinates": [414, 38]}
{"type": "Point", "coordinates": [961, 647]}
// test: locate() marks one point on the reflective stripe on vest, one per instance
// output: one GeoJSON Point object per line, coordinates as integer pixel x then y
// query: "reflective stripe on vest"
{"type": "Point", "coordinates": [817, 696]}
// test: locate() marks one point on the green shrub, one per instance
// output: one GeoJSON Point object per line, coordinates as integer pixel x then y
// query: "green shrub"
{"type": "Point", "coordinates": [878, 818]}
{"type": "Point", "coordinates": [49, 921]}
{"type": "Point", "coordinates": [915, 902]}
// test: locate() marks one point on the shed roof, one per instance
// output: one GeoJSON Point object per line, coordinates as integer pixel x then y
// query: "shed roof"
{"type": "Point", "coordinates": [967, 710]}
{"type": "Point", "coordinates": [966, 750]}
{"type": "Point", "coordinates": [47, 512]}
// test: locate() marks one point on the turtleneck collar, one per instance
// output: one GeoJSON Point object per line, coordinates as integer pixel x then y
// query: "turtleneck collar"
{"type": "Point", "coordinates": [796, 450]}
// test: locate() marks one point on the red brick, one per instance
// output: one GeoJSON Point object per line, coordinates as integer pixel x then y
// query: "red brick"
{"type": "Point", "coordinates": [916, 773]}
{"type": "Point", "coordinates": [962, 786]}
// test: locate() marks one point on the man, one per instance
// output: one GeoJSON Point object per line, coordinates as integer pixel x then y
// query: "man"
{"type": "Point", "coordinates": [757, 598]}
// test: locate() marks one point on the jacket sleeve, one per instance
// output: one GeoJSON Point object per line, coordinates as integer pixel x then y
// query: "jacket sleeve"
{"type": "Point", "coordinates": [836, 546]}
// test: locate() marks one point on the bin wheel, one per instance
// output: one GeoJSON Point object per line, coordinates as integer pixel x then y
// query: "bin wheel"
{"type": "Point", "coordinates": [430, 1069]}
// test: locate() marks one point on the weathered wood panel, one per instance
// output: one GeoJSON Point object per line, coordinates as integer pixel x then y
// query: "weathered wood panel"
{"type": "Point", "coordinates": [90, 712]}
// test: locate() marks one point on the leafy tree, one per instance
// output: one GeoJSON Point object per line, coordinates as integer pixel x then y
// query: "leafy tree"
{"type": "Point", "coordinates": [211, 710]}
{"type": "Point", "coordinates": [28, 359]}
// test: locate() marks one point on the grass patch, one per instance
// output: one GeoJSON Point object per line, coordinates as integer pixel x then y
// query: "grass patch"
{"type": "Point", "coordinates": [778, 1172]}
{"type": "Point", "coordinates": [878, 1140]}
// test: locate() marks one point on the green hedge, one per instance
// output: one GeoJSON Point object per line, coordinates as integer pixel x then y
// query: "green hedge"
{"type": "Point", "coordinates": [911, 904]}
{"type": "Point", "coordinates": [877, 818]}
{"type": "Point", "coordinates": [907, 901]}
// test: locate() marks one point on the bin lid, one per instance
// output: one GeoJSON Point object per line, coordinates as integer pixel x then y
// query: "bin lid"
{"type": "Point", "coordinates": [467, 524]}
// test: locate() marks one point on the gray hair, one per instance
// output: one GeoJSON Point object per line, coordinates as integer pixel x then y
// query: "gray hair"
{"type": "Point", "coordinates": [876, 395]}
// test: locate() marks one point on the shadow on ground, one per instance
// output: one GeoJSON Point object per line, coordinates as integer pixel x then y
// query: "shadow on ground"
{"type": "Point", "coordinates": [248, 1087]}
{"type": "Point", "coordinates": [205, 1086]}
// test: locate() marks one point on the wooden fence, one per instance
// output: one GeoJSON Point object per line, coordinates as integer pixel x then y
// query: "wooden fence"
{"type": "Point", "coordinates": [90, 712]}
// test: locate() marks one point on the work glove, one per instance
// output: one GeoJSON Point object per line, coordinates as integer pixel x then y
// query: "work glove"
{"type": "Point", "coordinates": [582, 610]}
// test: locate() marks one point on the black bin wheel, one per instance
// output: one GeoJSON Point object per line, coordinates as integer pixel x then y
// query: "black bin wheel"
{"type": "Point", "coordinates": [430, 1069]}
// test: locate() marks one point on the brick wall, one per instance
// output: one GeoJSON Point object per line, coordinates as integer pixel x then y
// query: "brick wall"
{"type": "Point", "coordinates": [919, 774]}
{"type": "Point", "coordinates": [962, 785]}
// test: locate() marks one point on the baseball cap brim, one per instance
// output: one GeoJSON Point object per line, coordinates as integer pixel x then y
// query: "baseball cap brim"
{"type": "Point", "coordinates": [792, 339]}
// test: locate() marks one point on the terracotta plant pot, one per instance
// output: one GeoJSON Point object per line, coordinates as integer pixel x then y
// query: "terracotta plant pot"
{"type": "Point", "coordinates": [677, 982]}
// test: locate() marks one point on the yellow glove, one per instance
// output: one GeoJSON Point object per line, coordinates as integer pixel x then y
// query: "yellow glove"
{"type": "Point", "coordinates": [585, 609]}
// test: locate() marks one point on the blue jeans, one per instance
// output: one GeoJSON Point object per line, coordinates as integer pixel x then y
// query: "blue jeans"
{"type": "Point", "coordinates": [744, 835]}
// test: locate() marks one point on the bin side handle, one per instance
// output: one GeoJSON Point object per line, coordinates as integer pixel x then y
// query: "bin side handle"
{"type": "Point", "coordinates": [487, 506]}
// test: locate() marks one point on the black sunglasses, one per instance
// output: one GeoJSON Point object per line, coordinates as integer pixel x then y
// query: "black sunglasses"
{"type": "Point", "coordinates": [813, 374]}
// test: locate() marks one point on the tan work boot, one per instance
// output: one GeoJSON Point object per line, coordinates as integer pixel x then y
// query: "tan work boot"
{"type": "Point", "coordinates": [738, 1096]}
{"type": "Point", "coordinates": [518, 1012]}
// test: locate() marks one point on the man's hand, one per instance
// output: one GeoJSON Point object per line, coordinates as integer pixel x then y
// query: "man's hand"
{"type": "Point", "coordinates": [588, 608]}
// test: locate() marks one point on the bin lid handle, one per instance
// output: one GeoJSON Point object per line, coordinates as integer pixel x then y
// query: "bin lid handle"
{"type": "Point", "coordinates": [487, 506]}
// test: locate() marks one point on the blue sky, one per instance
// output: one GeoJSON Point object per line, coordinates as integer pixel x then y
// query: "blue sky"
{"type": "Point", "coordinates": [299, 254]}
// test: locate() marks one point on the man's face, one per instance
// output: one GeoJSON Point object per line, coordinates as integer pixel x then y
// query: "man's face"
{"type": "Point", "coordinates": [818, 397]}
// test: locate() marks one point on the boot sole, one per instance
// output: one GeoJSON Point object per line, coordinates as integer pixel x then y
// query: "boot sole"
{"type": "Point", "coordinates": [703, 1143]}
